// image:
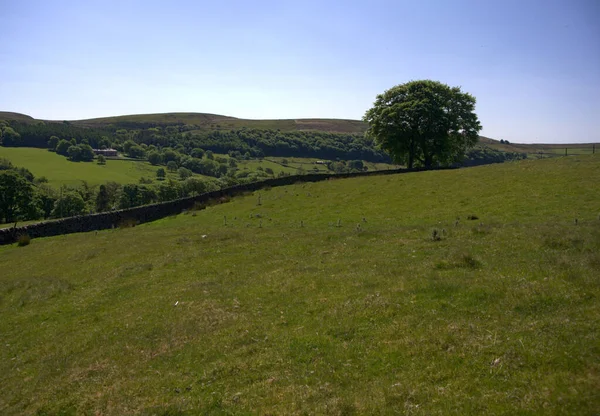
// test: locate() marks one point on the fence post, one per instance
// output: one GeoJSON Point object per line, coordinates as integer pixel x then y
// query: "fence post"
{"type": "Point", "coordinates": [565, 151]}
{"type": "Point", "coordinates": [594, 148]}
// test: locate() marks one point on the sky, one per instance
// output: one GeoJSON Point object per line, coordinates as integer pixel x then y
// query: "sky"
{"type": "Point", "coordinates": [533, 65]}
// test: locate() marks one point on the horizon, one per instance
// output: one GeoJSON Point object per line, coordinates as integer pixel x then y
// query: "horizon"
{"type": "Point", "coordinates": [533, 67]}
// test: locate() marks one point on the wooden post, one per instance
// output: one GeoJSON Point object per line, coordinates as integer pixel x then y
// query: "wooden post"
{"type": "Point", "coordinates": [565, 151]}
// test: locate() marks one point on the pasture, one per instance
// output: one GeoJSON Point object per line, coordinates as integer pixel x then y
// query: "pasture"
{"type": "Point", "coordinates": [472, 291]}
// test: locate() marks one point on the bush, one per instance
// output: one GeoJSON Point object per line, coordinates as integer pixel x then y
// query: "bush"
{"type": "Point", "coordinates": [23, 240]}
{"type": "Point", "coordinates": [128, 223]}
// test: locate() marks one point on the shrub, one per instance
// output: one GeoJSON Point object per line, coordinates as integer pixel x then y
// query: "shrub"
{"type": "Point", "coordinates": [23, 240]}
{"type": "Point", "coordinates": [127, 223]}
{"type": "Point", "coordinates": [467, 261]}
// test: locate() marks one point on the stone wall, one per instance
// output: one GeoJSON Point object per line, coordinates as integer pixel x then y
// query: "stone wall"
{"type": "Point", "coordinates": [147, 213]}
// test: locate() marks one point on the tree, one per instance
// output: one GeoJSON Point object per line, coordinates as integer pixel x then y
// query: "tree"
{"type": "Point", "coordinates": [184, 173]}
{"type": "Point", "coordinates": [74, 153]}
{"type": "Point", "coordinates": [194, 186]}
{"type": "Point", "coordinates": [45, 199]}
{"type": "Point", "coordinates": [10, 137]}
{"type": "Point", "coordinates": [133, 195]}
{"type": "Point", "coordinates": [52, 142]}
{"type": "Point", "coordinates": [87, 153]}
{"type": "Point", "coordinates": [104, 143]}
{"type": "Point", "coordinates": [356, 165]}
{"type": "Point", "coordinates": [172, 166]}
{"type": "Point", "coordinates": [135, 151]}
{"type": "Point", "coordinates": [62, 147]}
{"type": "Point", "coordinates": [68, 205]}
{"type": "Point", "coordinates": [154, 158]}
{"type": "Point", "coordinates": [101, 160]}
{"type": "Point", "coordinates": [197, 152]}
{"type": "Point", "coordinates": [160, 174]}
{"type": "Point", "coordinates": [16, 197]}
{"type": "Point", "coordinates": [424, 122]}
{"type": "Point", "coordinates": [170, 155]}
{"type": "Point", "coordinates": [168, 191]}
{"type": "Point", "coordinates": [102, 199]}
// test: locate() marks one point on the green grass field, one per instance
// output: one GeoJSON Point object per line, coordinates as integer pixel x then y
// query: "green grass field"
{"type": "Point", "coordinates": [61, 171]}
{"type": "Point", "coordinates": [534, 150]}
{"type": "Point", "coordinates": [325, 298]}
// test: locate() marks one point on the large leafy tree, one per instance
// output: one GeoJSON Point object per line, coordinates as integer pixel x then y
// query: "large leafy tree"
{"type": "Point", "coordinates": [68, 205]}
{"type": "Point", "coordinates": [16, 198]}
{"type": "Point", "coordinates": [424, 123]}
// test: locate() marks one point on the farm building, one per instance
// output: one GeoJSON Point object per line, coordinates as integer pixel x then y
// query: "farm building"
{"type": "Point", "coordinates": [105, 152]}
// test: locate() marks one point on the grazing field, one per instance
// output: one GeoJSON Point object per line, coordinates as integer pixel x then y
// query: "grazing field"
{"type": "Point", "coordinates": [541, 149]}
{"type": "Point", "coordinates": [353, 296]}
{"type": "Point", "coordinates": [60, 171]}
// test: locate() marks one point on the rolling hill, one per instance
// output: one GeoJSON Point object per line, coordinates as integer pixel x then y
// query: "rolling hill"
{"type": "Point", "coordinates": [351, 296]}
{"type": "Point", "coordinates": [203, 122]}
{"type": "Point", "coordinates": [206, 121]}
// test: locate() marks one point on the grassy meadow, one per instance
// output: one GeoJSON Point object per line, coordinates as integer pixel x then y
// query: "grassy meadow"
{"type": "Point", "coordinates": [538, 150]}
{"type": "Point", "coordinates": [349, 296]}
{"type": "Point", "coordinates": [61, 171]}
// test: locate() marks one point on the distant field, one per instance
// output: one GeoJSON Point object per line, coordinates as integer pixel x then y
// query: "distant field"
{"type": "Point", "coordinates": [535, 149]}
{"type": "Point", "coordinates": [61, 171]}
{"type": "Point", "coordinates": [351, 296]}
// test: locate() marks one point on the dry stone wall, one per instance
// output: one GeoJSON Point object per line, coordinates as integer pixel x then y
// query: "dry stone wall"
{"type": "Point", "coordinates": [147, 213]}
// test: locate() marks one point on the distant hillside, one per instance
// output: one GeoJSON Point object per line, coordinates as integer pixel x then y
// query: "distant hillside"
{"type": "Point", "coordinates": [7, 115]}
{"type": "Point", "coordinates": [205, 121]}
{"type": "Point", "coordinates": [199, 123]}
{"type": "Point", "coordinates": [535, 148]}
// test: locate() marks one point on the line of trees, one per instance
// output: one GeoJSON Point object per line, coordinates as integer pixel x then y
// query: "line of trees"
{"type": "Point", "coordinates": [255, 143]}
{"type": "Point", "coordinates": [24, 197]}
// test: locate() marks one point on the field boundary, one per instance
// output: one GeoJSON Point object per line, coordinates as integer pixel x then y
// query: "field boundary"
{"type": "Point", "coordinates": [153, 212]}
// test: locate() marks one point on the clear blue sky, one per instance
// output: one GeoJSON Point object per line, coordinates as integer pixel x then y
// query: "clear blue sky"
{"type": "Point", "coordinates": [534, 66]}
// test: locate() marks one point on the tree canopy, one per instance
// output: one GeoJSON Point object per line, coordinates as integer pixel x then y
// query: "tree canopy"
{"type": "Point", "coordinates": [424, 123]}
{"type": "Point", "coordinates": [16, 197]}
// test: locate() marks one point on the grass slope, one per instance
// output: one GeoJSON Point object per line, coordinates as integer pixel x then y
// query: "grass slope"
{"type": "Point", "coordinates": [61, 171]}
{"type": "Point", "coordinates": [7, 115]}
{"type": "Point", "coordinates": [273, 308]}
{"type": "Point", "coordinates": [205, 121]}
{"type": "Point", "coordinates": [557, 149]}
{"type": "Point", "coordinates": [214, 121]}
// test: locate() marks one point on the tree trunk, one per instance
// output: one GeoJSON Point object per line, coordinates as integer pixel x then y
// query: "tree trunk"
{"type": "Point", "coordinates": [411, 154]}
{"type": "Point", "coordinates": [428, 161]}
